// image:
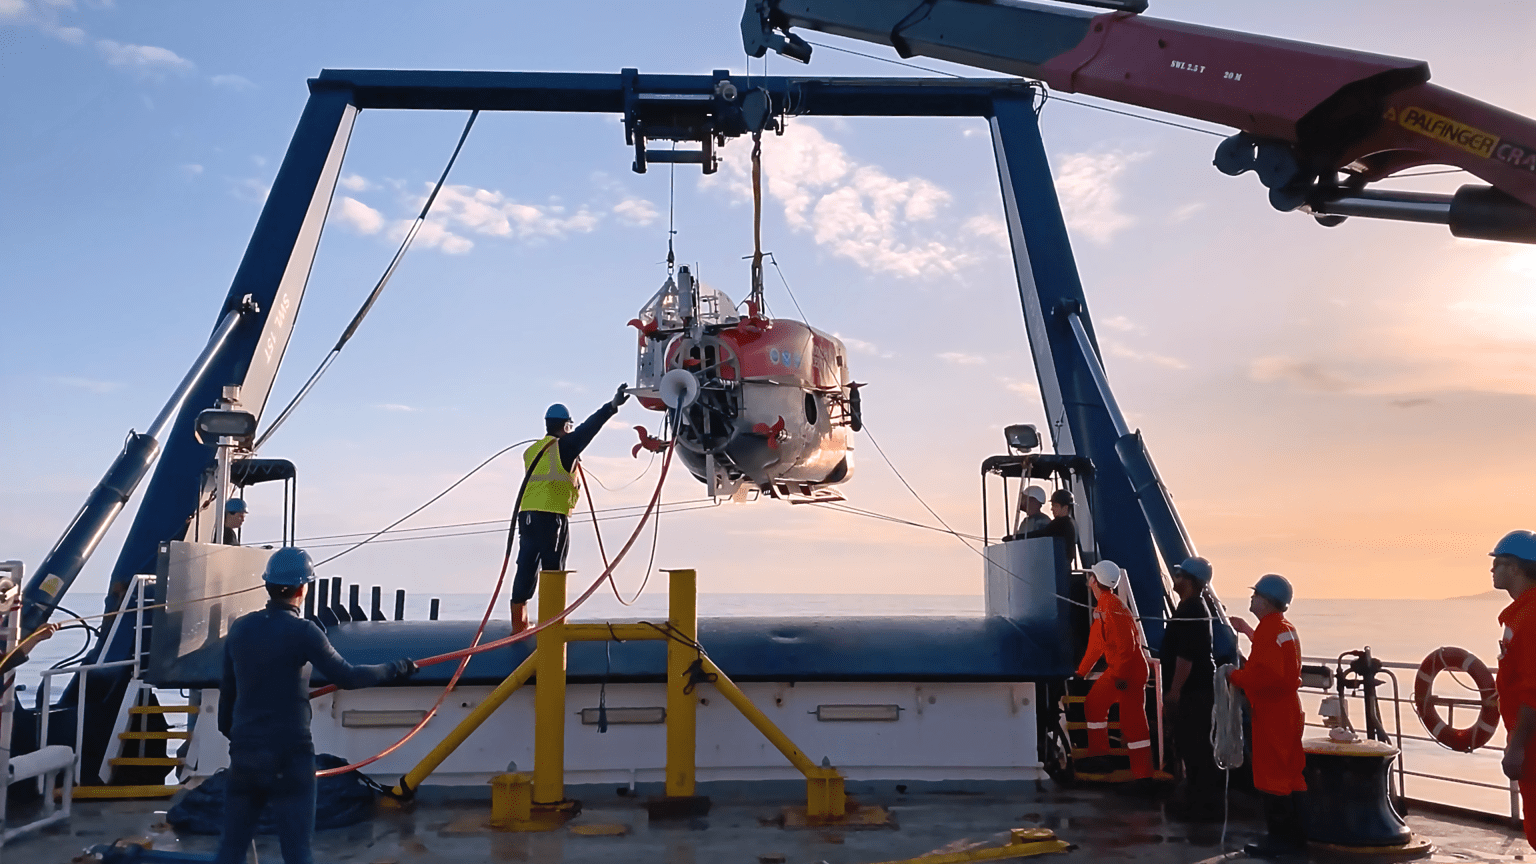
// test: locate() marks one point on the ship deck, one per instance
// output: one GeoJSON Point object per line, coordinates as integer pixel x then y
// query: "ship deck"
{"type": "Point", "coordinates": [745, 825]}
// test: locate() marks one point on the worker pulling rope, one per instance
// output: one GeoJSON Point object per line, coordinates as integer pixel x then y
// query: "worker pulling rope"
{"type": "Point", "coordinates": [463, 655]}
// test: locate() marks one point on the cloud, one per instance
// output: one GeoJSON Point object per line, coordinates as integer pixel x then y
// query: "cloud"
{"type": "Point", "coordinates": [859, 212]}
{"type": "Point", "coordinates": [233, 82]}
{"type": "Point", "coordinates": [1306, 375]}
{"type": "Point", "coordinates": [1090, 200]}
{"type": "Point", "coordinates": [960, 359]}
{"type": "Point", "coordinates": [863, 347]}
{"type": "Point", "coordinates": [392, 406]}
{"type": "Point", "coordinates": [146, 59]}
{"type": "Point", "coordinates": [1121, 323]}
{"type": "Point", "coordinates": [991, 229]}
{"type": "Point", "coordinates": [359, 216]}
{"type": "Point", "coordinates": [1023, 388]}
{"type": "Point", "coordinates": [433, 236]}
{"type": "Point", "coordinates": [191, 169]}
{"type": "Point", "coordinates": [87, 384]}
{"type": "Point", "coordinates": [1420, 338]}
{"type": "Point", "coordinates": [1410, 403]}
{"type": "Point", "coordinates": [1115, 349]}
{"type": "Point", "coordinates": [635, 211]}
{"type": "Point", "coordinates": [493, 214]}
{"type": "Point", "coordinates": [251, 189]}
{"type": "Point", "coordinates": [354, 182]}
{"type": "Point", "coordinates": [1182, 214]}
{"type": "Point", "coordinates": [19, 12]}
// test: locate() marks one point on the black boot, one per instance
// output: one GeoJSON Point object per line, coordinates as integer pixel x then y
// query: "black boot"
{"type": "Point", "coordinates": [1298, 821]}
{"type": "Point", "coordinates": [1278, 836]}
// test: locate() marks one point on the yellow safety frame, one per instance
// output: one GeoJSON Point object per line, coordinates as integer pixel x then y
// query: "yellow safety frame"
{"type": "Point", "coordinates": [536, 802]}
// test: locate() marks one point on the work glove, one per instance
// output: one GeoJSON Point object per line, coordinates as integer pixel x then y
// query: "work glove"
{"type": "Point", "coordinates": [620, 397]}
{"type": "Point", "coordinates": [404, 668]}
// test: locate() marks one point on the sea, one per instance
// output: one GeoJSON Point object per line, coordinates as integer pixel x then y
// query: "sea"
{"type": "Point", "coordinates": [1396, 631]}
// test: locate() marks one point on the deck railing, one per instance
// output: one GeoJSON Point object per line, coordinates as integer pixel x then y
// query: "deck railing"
{"type": "Point", "coordinates": [1397, 731]}
{"type": "Point", "coordinates": [133, 599]}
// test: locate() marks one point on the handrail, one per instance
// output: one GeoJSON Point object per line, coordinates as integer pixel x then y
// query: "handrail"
{"type": "Point", "coordinates": [45, 706]}
{"type": "Point", "coordinates": [1397, 701]}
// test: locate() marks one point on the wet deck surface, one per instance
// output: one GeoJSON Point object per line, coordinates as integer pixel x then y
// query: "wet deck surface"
{"type": "Point", "coordinates": [1104, 826]}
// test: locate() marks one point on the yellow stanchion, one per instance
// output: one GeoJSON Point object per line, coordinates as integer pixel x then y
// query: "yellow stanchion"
{"type": "Point", "coordinates": [482, 712]}
{"type": "Point", "coordinates": [682, 707]}
{"type": "Point", "coordinates": [549, 693]}
{"type": "Point", "coordinates": [825, 799]}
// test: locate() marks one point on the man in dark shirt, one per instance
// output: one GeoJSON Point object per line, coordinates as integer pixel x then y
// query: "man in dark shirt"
{"type": "Point", "coordinates": [1189, 691]}
{"type": "Point", "coordinates": [264, 711]}
{"type": "Point", "coordinates": [1061, 524]}
{"type": "Point", "coordinates": [234, 517]}
{"type": "Point", "coordinates": [552, 488]}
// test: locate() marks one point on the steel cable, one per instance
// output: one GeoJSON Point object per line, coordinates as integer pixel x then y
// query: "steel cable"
{"type": "Point", "coordinates": [373, 295]}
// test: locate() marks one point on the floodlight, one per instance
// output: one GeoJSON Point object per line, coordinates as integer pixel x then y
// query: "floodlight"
{"type": "Point", "coordinates": [216, 423]}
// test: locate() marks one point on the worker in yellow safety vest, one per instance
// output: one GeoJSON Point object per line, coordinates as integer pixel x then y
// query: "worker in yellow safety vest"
{"type": "Point", "coordinates": [553, 488]}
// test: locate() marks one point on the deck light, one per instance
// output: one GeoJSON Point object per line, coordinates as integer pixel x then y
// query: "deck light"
{"type": "Point", "coordinates": [216, 423]}
{"type": "Point", "coordinates": [1022, 437]}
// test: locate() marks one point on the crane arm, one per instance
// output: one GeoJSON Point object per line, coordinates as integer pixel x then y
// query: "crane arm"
{"type": "Point", "coordinates": [1316, 123]}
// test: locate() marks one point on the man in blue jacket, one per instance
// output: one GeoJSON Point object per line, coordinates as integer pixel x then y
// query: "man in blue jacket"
{"type": "Point", "coordinates": [264, 711]}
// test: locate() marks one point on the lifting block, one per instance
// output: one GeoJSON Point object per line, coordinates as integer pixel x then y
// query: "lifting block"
{"type": "Point", "coordinates": [825, 800]}
{"type": "Point", "coordinates": [512, 807]}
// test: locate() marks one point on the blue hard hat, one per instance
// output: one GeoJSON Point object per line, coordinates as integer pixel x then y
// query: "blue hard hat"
{"type": "Point", "coordinates": [557, 412]}
{"type": "Point", "coordinates": [1517, 544]}
{"type": "Point", "coordinates": [289, 566]}
{"type": "Point", "coordinates": [235, 505]}
{"type": "Point", "coordinates": [1275, 589]}
{"type": "Point", "coordinates": [1197, 569]}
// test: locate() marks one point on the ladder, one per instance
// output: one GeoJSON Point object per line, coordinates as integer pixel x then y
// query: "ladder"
{"type": "Point", "coordinates": [1076, 726]}
{"type": "Point", "coordinates": [131, 734]}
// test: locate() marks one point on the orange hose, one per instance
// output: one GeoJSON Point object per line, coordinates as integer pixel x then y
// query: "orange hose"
{"type": "Point", "coordinates": [464, 654]}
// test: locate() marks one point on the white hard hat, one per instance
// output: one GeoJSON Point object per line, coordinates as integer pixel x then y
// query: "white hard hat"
{"type": "Point", "coordinates": [1107, 573]}
{"type": "Point", "coordinates": [1036, 493]}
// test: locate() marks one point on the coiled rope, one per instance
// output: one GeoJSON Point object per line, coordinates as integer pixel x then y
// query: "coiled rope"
{"type": "Point", "coordinates": [1227, 722]}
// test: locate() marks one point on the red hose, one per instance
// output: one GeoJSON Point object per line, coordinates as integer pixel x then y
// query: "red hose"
{"type": "Point", "coordinates": [464, 654]}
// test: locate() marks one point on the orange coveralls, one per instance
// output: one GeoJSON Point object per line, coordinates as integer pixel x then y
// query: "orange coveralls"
{"type": "Point", "coordinates": [1272, 680]}
{"type": "Point", "coordinates": [1517, 687]}
{"type": "Point", "coordinates": [1113, 636]}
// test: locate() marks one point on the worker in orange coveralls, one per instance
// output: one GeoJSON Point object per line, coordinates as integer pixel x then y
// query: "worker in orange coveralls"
{"type": "Point", "coordinates": [1115, 637]}
{"type": "Point", "coordinates": [1514, 571]}
{"type": "Point", "coordinates": [1271, 679]}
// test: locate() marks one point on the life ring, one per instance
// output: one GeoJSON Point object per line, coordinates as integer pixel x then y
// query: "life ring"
{"type": "Point", "coordinates": [1458, 659]}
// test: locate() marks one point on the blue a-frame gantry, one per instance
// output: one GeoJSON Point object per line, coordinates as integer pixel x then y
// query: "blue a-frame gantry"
{"type": "Point", "coordinates": [1131, 520]}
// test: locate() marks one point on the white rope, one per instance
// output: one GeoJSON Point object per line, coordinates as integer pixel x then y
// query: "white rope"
{"type": "Point", "coordinates": [1227, 723]}
{"type": "Point", "coordinates": [1226, 737]}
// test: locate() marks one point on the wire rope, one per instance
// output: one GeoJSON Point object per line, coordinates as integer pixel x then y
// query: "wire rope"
{"type": "Point", "coordinates": [434, 499]}
{"type": "Point", "coordinates": [373, 296]}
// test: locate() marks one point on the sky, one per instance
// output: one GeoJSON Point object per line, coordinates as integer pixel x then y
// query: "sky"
{"type": "Point", "coordinates": [1349, 407]}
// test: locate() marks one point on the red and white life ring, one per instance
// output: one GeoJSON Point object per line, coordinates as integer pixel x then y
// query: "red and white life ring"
{"type": "Point", "coordinates": [1458, 659]}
